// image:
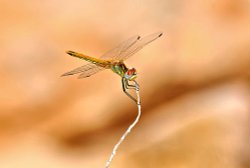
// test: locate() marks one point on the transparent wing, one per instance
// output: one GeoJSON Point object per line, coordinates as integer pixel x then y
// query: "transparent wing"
{"type": "Point", "coordinates": [138, 46]}
{"type": "Point", "coordinates": [88, 70]}
{"type": "Point", "coordinates": [118, 50]}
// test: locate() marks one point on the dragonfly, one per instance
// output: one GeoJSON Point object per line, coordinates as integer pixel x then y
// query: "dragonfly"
{"type": "Point", "coordinates": [114, 60]}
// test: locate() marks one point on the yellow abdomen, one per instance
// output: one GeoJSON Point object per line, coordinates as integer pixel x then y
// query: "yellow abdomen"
{"type": "Point", "coordinates": [101, 63]}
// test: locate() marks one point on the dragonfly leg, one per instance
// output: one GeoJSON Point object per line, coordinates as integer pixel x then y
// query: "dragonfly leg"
{"type": "Point", "coordinates": [129, 86]}
{"type": "Point", "coordinates": [137, 86]}
{"type": "Point", "coordinates": [124, 87]}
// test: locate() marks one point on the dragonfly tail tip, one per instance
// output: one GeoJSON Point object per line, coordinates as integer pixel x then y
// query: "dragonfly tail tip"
{"type": "Point", "coordinates": [70, 52]}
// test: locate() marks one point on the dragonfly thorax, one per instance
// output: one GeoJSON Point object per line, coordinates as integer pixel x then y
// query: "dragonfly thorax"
{"type": "Point", "coordinates": [121, 69]}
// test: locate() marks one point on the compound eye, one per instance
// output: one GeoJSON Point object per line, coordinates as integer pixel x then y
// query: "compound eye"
{"type": "Point", "coordinates": [130, 72]}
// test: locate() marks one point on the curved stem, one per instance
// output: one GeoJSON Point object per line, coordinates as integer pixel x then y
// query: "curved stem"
{"type": "Point", "coordinates": [138, 102]}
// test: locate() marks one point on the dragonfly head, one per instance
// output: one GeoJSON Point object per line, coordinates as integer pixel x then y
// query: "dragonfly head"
{"type": "Point", "coordinates": [131, 74]}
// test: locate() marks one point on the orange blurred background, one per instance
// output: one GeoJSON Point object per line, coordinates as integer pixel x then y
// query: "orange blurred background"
{"type": "Point", "coordinates": [194, 84]}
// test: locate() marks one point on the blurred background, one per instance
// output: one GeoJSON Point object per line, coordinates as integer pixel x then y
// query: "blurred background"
{"type": "Point", "coordinates": [194, 84]}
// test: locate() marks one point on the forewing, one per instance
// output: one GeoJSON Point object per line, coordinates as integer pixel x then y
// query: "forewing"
{"type": "Point", "coordinates": [88, 69]}
{"type": "Point", "coordinates": [138, 46]}
{"type": "Point", "coordinates": [121, 48]}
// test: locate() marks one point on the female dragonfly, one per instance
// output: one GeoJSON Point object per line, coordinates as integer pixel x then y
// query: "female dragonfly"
{"type": "Point", "coordinates": [114, 60]}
